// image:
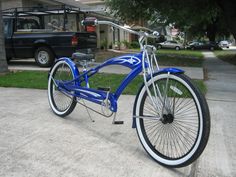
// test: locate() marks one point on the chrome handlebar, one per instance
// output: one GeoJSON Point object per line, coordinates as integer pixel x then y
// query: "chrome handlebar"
{"type": "Point", "coordinates": [93, 22]}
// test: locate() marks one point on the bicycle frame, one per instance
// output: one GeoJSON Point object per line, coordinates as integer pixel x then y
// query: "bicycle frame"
{"type": "Point", "coordinates": [144, 61]}
{"type": "Point", "coordinates": [74, 88]}
{"type": "Point", "coordinates": [131, 61]}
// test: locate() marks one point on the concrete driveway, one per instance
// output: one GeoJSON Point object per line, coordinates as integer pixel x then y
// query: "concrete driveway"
{"type": "Point", "coordinates": [35, 142]}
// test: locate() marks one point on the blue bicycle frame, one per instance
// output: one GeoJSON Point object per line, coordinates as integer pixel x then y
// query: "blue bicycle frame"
{"type": "Point", "coordinates": [75, 88]}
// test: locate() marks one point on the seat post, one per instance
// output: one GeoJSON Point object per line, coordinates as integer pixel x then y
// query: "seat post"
{"type": "Point", "coordinates": [85, 65]}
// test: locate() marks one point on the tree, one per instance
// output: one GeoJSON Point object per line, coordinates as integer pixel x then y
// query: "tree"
{"type": "Point", "coordinates": [201, 16]}
{"type": "Point", "coordinates": [229, 14]}
{"type": "Point", "coordinates": [3, 61]}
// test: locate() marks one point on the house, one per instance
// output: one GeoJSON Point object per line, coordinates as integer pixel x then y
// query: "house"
{"type": "Point", "coordinates": [107, 37]}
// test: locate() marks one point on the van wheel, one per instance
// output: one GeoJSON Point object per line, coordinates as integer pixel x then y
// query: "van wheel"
{"type": "Point", "coordinates": [44, 57]}
{"type": "Point", "coordinates": [212, 48]}
{"type": "Point", "coordinates": [177, 48]}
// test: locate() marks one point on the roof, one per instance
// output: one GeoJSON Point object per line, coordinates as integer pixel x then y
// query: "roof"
{"type": "Point", "coordinates": [91, 2]}
{"type": "Point", "coordinates": [37, 11]}
{"type": "Point", "coordinates": [72, 3]}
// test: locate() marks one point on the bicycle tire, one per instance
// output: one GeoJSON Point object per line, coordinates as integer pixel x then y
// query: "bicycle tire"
{"type": "Point", "coordinates": [165, 155]}
{"type": "Point", "coordinates": [61, 103]}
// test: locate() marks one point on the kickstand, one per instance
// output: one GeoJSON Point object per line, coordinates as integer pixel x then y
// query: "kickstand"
{"type": "Point", "coordinates": [117, 121]}
{"type": "Point", "coordinates": [90, 117]}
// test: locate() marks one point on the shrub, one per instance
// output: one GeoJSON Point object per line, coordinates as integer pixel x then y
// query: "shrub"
{"type": "Point", "coordinates": [103, 44]}
{"type": "Point", "coordinates": [134, 45]}
{"type": "Point", "coordinates": [126, 44]}
{"type": "Point", "coordinates": [118, 44]}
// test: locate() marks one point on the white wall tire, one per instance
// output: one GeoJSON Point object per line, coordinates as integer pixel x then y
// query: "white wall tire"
{"type": "Point", "coordinates": [70, 101]}
{"type": "Point", "coordinates": [203, 132]}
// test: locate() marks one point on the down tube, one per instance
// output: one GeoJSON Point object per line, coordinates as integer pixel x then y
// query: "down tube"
{"type": "Point", "coordinates": [127, 80]}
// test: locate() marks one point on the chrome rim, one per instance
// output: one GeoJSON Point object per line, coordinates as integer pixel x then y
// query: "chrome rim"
{"type": "Point", "coordinates": [162, 135]}
{"type": "Point", "coordinates": [61, 100]}
{"type": "Point", "coordinates": [43, 57]}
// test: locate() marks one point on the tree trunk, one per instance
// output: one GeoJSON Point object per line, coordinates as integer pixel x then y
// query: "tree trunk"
{"type": "Point", "coordinates": [3, 61]}
{"type": "Point", "coordinates": [228, 8]}
{"type": "Point", "coordinates": [211, 32]}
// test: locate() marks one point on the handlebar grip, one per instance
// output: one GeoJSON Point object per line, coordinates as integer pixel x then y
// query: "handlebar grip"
{"type": "Point", "coordinates": [89, 21]}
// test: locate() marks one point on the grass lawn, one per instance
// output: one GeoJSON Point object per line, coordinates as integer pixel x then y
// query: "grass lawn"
{"type": "Point", "coordinates": [182, 53]}
{"type": "Point", "coordinates": [228, 56]}
{"type": "Point", "coordinates": [38, 80]}
{"type": "Point", "coordinates": [102, 56]}
{"type": "Point", "coordinates": [165, 57]}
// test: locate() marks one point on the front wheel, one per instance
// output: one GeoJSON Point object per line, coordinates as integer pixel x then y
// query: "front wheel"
{"type": "Point", "coordinates": [60, 101]}
{"type": "Point", "coordinates": [173, 120]}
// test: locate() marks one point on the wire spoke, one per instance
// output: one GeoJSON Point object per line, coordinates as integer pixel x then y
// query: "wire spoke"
{"type": "Point", "coordinates": [62, 101]}
{"type": "Point", "coordinates": [171, 138]}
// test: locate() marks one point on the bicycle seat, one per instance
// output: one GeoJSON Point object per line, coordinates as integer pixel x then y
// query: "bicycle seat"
{"type": "Point", "coordinates": [82, 56]}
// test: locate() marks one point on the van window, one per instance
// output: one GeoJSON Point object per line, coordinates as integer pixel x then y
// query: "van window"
{"type": "Point", "coordinates": [6, 27]}
{"type": "Point", "coordinates": [27, 24]}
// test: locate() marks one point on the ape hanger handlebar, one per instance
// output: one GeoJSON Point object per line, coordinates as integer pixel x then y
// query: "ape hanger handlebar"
{"type": "Point", "coordinates": [93, 22]}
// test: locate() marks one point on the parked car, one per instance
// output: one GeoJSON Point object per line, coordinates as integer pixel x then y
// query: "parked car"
{"type": "Point", "coordinates": [25, 37]}
{"type": "Point", "coordinates": [224, 44]}
{"type": "Point", "coordinates": [170, 45]}
{"type": "Point", "coordinates": [203, 45]}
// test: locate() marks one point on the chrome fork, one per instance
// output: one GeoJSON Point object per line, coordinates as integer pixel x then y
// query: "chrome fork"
{"type": "Point", "coordinates": [150, 65]}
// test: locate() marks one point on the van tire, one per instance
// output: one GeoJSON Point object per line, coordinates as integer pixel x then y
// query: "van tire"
{"type": "Point", "coordinates": [44, 57]}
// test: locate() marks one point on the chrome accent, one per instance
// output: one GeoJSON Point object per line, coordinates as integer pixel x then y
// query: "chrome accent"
{"type": "Point", "coordinates": [147, 117]}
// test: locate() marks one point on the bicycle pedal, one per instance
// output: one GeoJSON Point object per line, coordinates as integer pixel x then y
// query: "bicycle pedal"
{"type": "Point", "coordinates": [118, 122]}
{"type": "Point", "coordinates": [106, 89]}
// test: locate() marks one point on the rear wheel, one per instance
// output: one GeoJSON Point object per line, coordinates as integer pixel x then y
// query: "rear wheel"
{"type": "Point", "coordinates": [61, 102]}
{"type": "Point", "coordinates": [175, 129]}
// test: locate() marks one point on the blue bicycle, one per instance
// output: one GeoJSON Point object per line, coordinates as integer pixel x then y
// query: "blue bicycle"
{"type": "Point", "coordinates": [170, 114]}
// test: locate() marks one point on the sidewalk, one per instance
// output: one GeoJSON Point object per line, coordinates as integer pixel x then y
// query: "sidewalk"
{"type": "Point", "coordinates": [192, 72]}
{"type": "Point", "coordinates": [219, 157]}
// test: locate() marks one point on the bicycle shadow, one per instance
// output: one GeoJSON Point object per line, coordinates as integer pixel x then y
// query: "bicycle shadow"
{"type": "Point", "coordinates": [124, 137]}
{"type": "Point", "coordinates": [173, 172]}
